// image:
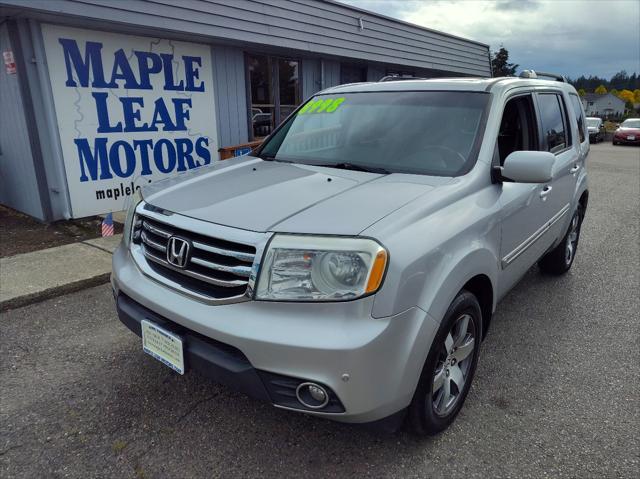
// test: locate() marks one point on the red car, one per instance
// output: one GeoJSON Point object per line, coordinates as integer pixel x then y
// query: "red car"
{"type": "Point", "coordinates": [628, 132]}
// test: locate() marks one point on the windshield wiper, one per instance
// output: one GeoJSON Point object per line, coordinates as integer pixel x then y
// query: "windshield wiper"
{"type": "Point", "coordinates": [357, 167]}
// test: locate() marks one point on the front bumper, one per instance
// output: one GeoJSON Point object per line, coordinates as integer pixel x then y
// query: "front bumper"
{"type": "Point", "coordinates": [320, 342]}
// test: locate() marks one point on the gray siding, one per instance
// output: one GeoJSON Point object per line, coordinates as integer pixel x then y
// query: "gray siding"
{"type": "Point", "coordinates": [311, 77]}
{"type": "Point", "coordinates": [18, 187]}
{"type": "Point", "coordinates": [230, 95]}
{"type": "Point", "coordinates": [330, 73]}
{"type": "Point", "coordinates": [316, 26]}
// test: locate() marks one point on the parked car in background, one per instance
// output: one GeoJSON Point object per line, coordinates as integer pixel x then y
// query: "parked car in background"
{"type": "Point", "coordinates": [350, 266]}
{"type": "Point", "coordinates": [596, 129]}
{"type": "Point", "coordinates": [628, 133]}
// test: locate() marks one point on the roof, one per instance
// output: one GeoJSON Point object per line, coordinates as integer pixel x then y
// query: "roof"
{"type": "Point", "coordinates": [452, 84]}
{"type": "Point", "coordinates": [598, 96]}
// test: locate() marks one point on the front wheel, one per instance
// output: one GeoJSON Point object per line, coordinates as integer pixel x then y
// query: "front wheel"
{"type": "Point", "coordinates": [448, 371]}
{"type": "Point", "coordinates": [559, 260]}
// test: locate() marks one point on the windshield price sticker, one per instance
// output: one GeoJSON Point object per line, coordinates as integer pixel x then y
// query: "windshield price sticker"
{"type": "Point", "coordinates": [328, 105]}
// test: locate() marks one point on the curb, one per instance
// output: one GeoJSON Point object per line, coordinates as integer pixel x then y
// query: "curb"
{"type": "Point", "coordinates": [44, 274]}
{"type": "Point", "coordinates": [50, 293]}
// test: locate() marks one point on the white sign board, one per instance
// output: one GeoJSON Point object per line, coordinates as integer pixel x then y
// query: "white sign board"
{"type": "Point", "coordinates": [130, 110]}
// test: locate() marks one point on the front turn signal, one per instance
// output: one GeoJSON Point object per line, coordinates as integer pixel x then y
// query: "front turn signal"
{"type": "Point", "coordinates": [377, 271]}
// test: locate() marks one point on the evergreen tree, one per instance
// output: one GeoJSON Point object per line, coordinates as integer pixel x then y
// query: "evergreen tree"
{"type": "Point", "coordinates": [500, 65]}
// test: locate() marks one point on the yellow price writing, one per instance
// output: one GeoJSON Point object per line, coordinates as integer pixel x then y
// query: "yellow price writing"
{"type": "Point", "coordinates": [328, 105]}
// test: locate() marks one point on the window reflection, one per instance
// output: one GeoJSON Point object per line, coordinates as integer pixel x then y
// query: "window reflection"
{"type": "Point", "coordinates": [270, 107]}
{"type": "Point", "coordinates": [289, 87]}
{"type": "Point", "coordinates": [262, 104]}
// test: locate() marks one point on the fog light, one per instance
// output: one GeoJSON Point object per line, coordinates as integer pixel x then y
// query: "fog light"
{"type": "Point", "coordinates": [312, 395]}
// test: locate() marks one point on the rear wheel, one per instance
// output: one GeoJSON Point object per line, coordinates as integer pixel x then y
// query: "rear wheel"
{"type": "Point", "coordinates": [559, 260]}
{"type": "Point", "coordinates": [448, 371]}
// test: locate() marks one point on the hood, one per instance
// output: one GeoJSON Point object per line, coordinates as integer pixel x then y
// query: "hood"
{"type": "Point", "coordinates": [258, 195]}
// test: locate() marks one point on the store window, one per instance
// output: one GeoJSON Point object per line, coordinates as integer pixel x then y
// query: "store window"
{"type": "Point", "coordinates": [274, 92]}
{"type": "Point", "coordinates": [350, 73]}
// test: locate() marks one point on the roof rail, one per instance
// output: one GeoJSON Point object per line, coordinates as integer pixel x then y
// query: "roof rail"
{"type": "Point", "coordinates": [534, 74]}
{"type": "Point", "coordinates": [399, 78]}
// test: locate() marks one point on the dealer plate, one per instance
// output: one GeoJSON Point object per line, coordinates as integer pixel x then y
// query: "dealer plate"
{"type": "Point", "coordinates": [631, 138]}
{"type": "Point", "coordinates": [163, 345]}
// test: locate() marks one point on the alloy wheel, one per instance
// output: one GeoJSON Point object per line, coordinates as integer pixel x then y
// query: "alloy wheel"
{"type": "Point", "coordinates": [454, 364]}
{"type": "Point", "coordinates": [572, 238]}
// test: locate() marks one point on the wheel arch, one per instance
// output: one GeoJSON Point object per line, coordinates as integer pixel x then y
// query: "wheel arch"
{"type": "Point", "coordinates": [584, 201]}
{"type": "Point", "coordinates": [482, 288]}
{"type": "Point", "coordinates": [477, 273]}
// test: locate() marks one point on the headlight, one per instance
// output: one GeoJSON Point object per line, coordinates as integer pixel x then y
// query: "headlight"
{"type": "Point", "coordinates": [315, 268]}
{"type": "Point", "coordinates": [128, 222]}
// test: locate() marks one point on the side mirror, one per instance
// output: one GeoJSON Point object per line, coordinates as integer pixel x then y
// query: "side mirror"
{"type": "Point", "coordinates": [528, 166]}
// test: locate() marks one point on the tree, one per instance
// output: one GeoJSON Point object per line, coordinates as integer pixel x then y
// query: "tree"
{"type": "Point", "coordinates": [601, 90]}
{"type": "Point", "coordinates": [500, 66]}
{"type": "Point", "coordinates": [636, 95]}
{"type": "Point", "coordinates": [582, 92]}
{"type": "Point", "coordinates": [626, 95]}
{"type": "Point", "coordinates": [613, 91]}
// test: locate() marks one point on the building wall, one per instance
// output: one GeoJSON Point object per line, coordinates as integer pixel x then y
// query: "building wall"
{"type": "Point", "coordinates": [331, 73]}
{"type": "Point", "coordinates": [18, 187]}
{"type": "Point", "coordinates": [230, 95]}
{"type": "Point", "coordinates": [315, 26]}
{"type": "Point", "coordinates": [311, 77]}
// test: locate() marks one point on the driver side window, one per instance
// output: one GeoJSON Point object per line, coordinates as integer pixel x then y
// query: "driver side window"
{"type": "Point", "coordinates": [518, 130]}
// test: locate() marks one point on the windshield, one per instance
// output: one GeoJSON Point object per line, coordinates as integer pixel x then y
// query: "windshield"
{"type": "Point", "coordinates": [431, 133]}
{"type": "Point", "coordinates": [631, 123]}
{"type": "Point", "coordinates": [593, 122]}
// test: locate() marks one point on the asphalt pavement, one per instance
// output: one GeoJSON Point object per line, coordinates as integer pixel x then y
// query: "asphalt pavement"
{"type": "Point", "coordinates": [556, 393]}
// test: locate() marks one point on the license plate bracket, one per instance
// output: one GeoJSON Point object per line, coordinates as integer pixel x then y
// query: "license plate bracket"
{"type": "Point", "coordinates": [163, 345]}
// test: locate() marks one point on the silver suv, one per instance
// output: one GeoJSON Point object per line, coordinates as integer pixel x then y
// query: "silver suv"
{"type": "Point", "coordinates": [350, 266]}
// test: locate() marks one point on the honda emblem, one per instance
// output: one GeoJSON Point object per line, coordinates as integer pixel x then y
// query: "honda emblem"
{"type": "Point", "coordinates": [178, 250]}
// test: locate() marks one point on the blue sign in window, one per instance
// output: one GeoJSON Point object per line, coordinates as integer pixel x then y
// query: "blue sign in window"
{"type": "Point", "coordinates": [242, 151]}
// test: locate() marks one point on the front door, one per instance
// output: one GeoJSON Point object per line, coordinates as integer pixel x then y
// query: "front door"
{"type": "Point", "coordinates": [532, 214]}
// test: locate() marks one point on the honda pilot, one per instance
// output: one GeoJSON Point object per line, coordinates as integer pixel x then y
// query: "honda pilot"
{"type": "Point", "coordinates": [349, 267]}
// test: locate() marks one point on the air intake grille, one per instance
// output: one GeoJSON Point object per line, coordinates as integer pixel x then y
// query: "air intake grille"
{"type": "Point", "coordinates": [212, 267]}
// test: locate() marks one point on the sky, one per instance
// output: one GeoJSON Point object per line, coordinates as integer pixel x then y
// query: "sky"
{"type": "Point", "coordinates": [569, 37]}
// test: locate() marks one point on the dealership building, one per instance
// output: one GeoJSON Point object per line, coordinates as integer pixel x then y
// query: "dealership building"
{"type": "Point", "coordinates": [99, 97]}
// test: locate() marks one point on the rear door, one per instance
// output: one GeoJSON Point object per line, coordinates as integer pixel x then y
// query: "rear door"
{"type": "Point", "coordinates": [581, 136]}
{"type": "Point", "coordinates": [558, 131]}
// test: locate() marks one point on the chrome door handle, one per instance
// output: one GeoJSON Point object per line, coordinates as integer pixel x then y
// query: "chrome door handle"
{"type": "Point", "coordinates": [545, 191]}
{"type": "Point", "coordinates": [574, 169]}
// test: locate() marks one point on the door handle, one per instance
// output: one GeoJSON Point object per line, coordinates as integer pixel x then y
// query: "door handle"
{"type": "Point", "coordinates": [545, 191]}
{"type": "Point", "coordinates": [574, 169]}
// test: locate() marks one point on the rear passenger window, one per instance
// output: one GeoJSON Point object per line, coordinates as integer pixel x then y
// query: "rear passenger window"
{"type": "Point", "coordinates": [577, 108]}
{"type": "Point", "coordinates": [554, 130]}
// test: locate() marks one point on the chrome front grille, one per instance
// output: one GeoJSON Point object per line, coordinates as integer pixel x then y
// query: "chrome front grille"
{"type": "Point", "coordinates": [215, 268]}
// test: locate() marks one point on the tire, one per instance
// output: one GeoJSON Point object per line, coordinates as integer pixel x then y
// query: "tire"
{"type": "Point", "coordinates": [559, 260]}
{"type": "Point", "coordinates": [449, 369]}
